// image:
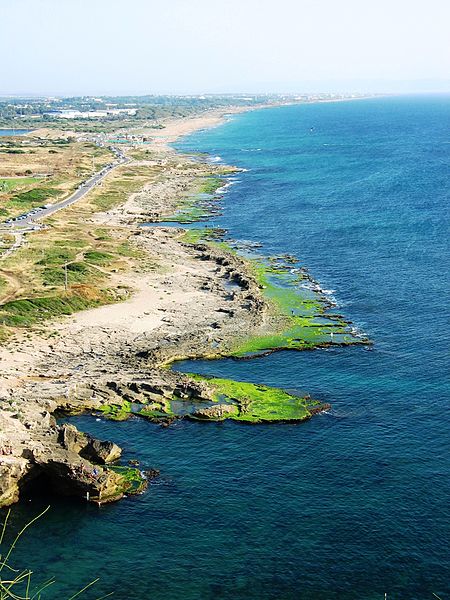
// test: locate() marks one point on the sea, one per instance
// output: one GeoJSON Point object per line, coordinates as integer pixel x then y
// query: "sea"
{"type": "Point", "coordinates": [10, 132]}
{"type": "Point", "coordinates": [354, 503]}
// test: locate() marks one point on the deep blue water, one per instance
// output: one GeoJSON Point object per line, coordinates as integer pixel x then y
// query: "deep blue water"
{"type": "Point", "coordinates": [14, 131]}
{"type": "Point", "coordinates": [351, 504]}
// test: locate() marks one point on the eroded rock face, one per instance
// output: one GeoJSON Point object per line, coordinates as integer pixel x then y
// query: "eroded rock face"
{"type": "Point", "coordinates": [32, 446]}
{"type": "Point", "coordinates": [12, 471]}
{"type": "Point", "coordinates": [101, 452]}
{"type": "Point", "coordinates": [69, 475]}
{"type": "Point", "coordinates": [88, 447]}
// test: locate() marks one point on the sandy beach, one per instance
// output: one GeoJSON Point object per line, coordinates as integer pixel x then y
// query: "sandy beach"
{"type": "Point", "coordinates": [176, 128]}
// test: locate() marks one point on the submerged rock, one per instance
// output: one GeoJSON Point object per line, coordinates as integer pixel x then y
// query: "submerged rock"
{"type": "Point", "coordinates": [152, 473]}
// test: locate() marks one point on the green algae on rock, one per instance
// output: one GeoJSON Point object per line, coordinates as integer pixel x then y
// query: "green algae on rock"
{"type": "Point", "coordinates": [197, 235]}
{"type": "Point", "coordinates": [158, 410]}
{"type": "Point", "coordinates": [199, 206]}
{"type": "Point", "coordinates": [298, 317]}
{"type": "Point", "coordinates": [257, 403]}
{"type": "Point", "coordinates": [216, 399]}
{"type": "Point", "coordinates": [300, 320]}
{"type": "Point", "coordinates": [116, 412]}
{"type": "Point", "coordinates": [133, 481]}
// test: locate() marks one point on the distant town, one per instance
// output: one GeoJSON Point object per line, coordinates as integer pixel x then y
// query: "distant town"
{"type": "Point", "coordinates": [50, 111]}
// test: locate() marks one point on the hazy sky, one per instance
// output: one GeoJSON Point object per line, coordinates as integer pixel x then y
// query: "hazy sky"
{"type": "Point", "coordinates": [196, 46]}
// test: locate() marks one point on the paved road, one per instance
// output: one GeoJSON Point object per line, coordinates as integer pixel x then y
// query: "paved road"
{"type": "Point", "coordinates": [80, 193]}
{"type": "Point", "coordinates": [20, 228]}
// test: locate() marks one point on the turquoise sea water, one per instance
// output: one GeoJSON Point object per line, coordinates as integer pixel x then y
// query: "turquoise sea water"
{"type": "Point", "coordinates": [8, 132]}
{"type": "Point", "coordinates": [351, 504]}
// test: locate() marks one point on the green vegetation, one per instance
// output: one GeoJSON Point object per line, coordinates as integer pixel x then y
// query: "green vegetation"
{"type": "Point", "coordinates": [100, 258]}
{"type": "Point", "coordinates": [157, 410]}
{"type": "Point", "coordinates": [247, 402]}
{"type": "Point", "coordinates": [210, 185]}
{"type": "Point", "coordinates": [102, 235]}
{"type": "Point", "coordinates": [115, 189]}
{"type": "Point", "coordinates": [193, 208]}
{"type": "Point", "coordinates": [116, 412]}
{"type": "Point", "coordinates": [149, 110]}
{"type": "Point", "coordinates": [259, 403]}
{"type": "Point", "coordinates": [35, 196]}
{"type": "Point", "coordinates": [126, 250]}
{"type": "Point", "coordinates": [36, 170]}
{"type": "Point", "coordinates": [29, 311]}
{"type": "Point", "coordinates": [201, 234]}
{"type": "Point", "coordinates": [188, 211]}
{"type": "Point", "coordinates": [70, 243]}
{"type": "Point", "coordinates": [24, 201]}
{"type": "Point", "coordinates": [121, 412]}
{"type": "Point", "coordinates": [134, 483]}
{"type": "Point", "coordinates": [12, 183]}
{"type": "Point", "coordinates": [303, 319]}
{"type": "Point", "coordinates": [58, 254]}
{"type": "Point", "coordinates": [19, 583]}
{"type": "Point", "coordinates": [62, 270]}
{"type": "Point", "coordinates": [77, 272]}
{"type": "Point", "coordinates": [300, 315]}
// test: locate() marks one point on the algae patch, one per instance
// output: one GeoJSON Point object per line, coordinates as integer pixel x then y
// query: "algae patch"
{"type": "Point", "coordinates": [298, 307]}
{"type": "Point", "coordinates": [200, 206]}
{"type": "Point", "coordinates": [298, 315]}
{"type": "Point", "coordinates": [116, 412]}
{"type": "Point", "coordinates": [257, 403]}
{"type": "Point", "coordinates": [215, 399]}
{"type": "Point", "coordinates": [133, 481]}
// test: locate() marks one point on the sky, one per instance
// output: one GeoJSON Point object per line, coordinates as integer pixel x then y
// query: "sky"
{"type": "Point", "coordinates": [100, 47]}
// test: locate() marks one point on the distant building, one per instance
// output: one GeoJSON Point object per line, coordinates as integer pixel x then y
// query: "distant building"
{"type": "Point", "coordinates": [67, 113]}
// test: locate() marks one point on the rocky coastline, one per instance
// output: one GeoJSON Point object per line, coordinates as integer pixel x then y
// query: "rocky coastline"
{"type": "Point", "coordinates": [203, 300]}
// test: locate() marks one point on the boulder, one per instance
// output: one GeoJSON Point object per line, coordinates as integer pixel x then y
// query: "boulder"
{"type": "Point", "coordinates": [97, 451]}
{"type": "Point", "coordinates": [101, 452]}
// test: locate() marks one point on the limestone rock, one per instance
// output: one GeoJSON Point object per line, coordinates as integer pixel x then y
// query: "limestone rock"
{"type": "Point", "coordinates": [101, 452]}
{"type": "Point", "coordinates": [97, 451]}
{"type": "Point", "coordinates": [12, 470]}
{"type": "Point", "coordinates": [219, 411]}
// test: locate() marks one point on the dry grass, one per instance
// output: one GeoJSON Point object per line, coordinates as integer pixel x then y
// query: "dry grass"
{"type": "Point", "coordinates": [72, 261]}
{"type": "Point", "coordinates": [44, 170]}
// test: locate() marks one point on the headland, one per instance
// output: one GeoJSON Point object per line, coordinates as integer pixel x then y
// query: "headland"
{"type": "Point", "coordinates": [96, 306]}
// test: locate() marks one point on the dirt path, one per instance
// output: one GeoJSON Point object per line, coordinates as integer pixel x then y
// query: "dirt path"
{"type": "Point", "coordinates": [14, 284]}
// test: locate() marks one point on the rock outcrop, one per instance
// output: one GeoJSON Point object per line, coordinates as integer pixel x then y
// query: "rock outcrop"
{"type": "Point", "coordinates": [34, 449]}
{"type": "Point", "coordinates": [185, 308]}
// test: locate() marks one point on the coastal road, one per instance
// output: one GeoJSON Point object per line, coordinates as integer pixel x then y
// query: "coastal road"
{"type": "Point", "coordinates": [20, 228]}
{"type": "Point", "coordinates": [77, 195]}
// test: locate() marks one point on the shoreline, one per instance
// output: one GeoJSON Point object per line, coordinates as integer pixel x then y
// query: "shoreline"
{"type": "Point", "coordinates": [112, 357]}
